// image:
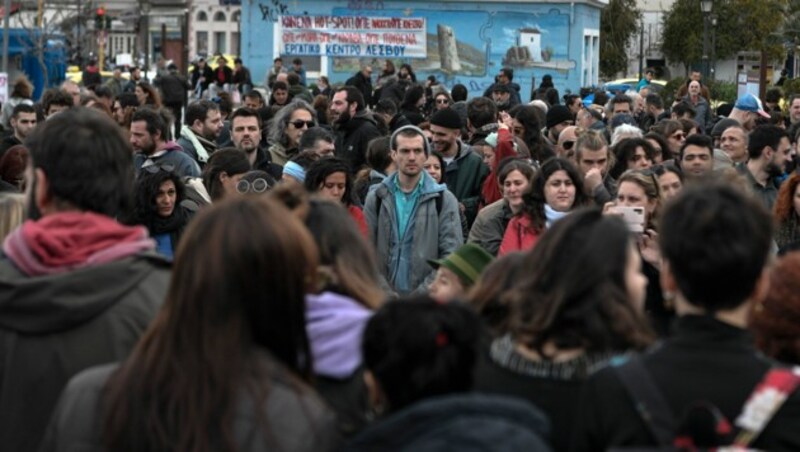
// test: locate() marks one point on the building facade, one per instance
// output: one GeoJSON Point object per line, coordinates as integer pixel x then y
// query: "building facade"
{"type": "Point", "coordinates": [214, 27]}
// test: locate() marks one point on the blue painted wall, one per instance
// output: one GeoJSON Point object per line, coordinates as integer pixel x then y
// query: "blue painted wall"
{"type": "Point", "coordinates": [484, 32]}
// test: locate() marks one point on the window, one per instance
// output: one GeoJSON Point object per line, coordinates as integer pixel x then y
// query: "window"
{"type": "Point", "coordinates": [234, 43]}
{"type": "Point", "coordinates": [219, 40]}
{"type": "Point", "coordinates": [202, 42]}
{"type": "Point", "coordinates": [202, 16]}
{"type": "Point", "coordinates": [219, 16]}
{"type": "Point", "coordinates": [235, 17]}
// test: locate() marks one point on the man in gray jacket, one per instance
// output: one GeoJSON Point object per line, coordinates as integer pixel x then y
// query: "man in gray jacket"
{"type": "Point", "coordinates": [411, 218]}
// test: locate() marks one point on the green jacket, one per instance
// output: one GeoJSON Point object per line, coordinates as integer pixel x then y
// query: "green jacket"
{"type": "Point", "coordinates": [464, 178]}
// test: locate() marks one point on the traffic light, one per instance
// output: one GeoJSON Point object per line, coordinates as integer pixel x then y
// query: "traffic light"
{"type": "Point", "coordinates": [100, 18]}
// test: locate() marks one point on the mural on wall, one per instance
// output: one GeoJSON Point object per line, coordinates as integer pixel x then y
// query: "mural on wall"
{"type": "Point", "coordinates": [470, 47]}
{"type": "Point", "coordinates": [455, 46]}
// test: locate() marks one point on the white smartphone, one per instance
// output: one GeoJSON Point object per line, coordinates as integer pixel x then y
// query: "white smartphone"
{"type": "Point", "coordinates": [634, 217]}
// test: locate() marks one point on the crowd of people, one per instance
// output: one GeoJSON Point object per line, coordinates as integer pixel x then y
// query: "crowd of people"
{"type": "Point", "coordinates": [396, 266]}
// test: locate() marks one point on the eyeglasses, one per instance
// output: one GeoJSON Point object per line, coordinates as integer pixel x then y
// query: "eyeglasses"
{"type": "Point", "coordinates": [154, 168]}
{"type": "Point", "coordinates": [258, 185]}
{"type": "Point", "coordinates": [567, 145]}
{"type": "Point", "coordinates": [300, 123]}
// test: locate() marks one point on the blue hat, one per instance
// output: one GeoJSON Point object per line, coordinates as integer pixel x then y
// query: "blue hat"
{"type": "Point", "coordinates": [749, 102]}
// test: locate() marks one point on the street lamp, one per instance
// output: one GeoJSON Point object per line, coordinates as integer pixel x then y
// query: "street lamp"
{"type": "Point", "coordinates": [705, 7]}
{"type": "Point", "coordinates": [713, 47]}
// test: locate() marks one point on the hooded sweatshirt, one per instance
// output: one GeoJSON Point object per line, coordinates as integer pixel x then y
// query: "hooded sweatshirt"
{"type": "Point", "coordinates": [335, 324]}
{"type": "Point", "coordinates": [84, 302]}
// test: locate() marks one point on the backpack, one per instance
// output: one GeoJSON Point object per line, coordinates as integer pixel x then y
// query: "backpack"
{"type": "Point", "coordinates": [703, 426]}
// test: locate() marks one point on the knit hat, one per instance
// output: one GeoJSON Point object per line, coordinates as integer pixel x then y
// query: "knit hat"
{"type": "Point", "coordinates": [722, 125]}
{"type": "Point", "coordinates": [447, 118]}
{"type": "Point", "coordinates": [467, 263]}
{"type": "Point", "coordinates": [558, 114]}
{"type": "Point", "coordinates": [406, 129]}
{"type": "Point", "coordinates": [500, 88]}
{"type": "Point", "coordinates": [621, 119]}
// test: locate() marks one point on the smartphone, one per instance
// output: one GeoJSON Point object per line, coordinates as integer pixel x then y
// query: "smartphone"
{"type": "Point", "coordinates": [633, 216]}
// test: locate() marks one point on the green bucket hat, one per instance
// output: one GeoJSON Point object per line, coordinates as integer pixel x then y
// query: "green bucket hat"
{"type": "Point", "coordinates": [467, 262]}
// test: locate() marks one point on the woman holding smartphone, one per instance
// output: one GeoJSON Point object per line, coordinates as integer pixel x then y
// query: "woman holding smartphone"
{"type": "Point", "coordinates": [638, 201]}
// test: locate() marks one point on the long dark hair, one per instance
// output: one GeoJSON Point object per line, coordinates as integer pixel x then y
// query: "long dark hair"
{"type": "Point", "coordinates": [559, 301]}
{"type": "Point", "coordinates": [227, 303]}
{"type": "Point", "coordinates": [533, 198]}
{"type": "Point", "coordinates": [527, 116]}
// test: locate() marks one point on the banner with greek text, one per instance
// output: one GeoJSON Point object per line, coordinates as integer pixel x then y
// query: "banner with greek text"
{"type": "Point", "coordinates": [352, 36]}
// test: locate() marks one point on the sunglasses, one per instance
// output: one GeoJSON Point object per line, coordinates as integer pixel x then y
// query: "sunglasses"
{"type": "Point", "coordinates": [300, 123]}
{"type": "Point", "coordinates": [154, 168]}
{"type": "Point", "coordinates": [258, 185]}
{"type": "Point", "coordinates": [567, 145]}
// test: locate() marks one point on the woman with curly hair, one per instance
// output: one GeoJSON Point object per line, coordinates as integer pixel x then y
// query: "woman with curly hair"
{"type": "Point", "coordinates": [159, 206]}
{"type": "Point", "coordinates": [775, 321]}
{"type": "Point", "coordinates": [554, 192]}
{"type": "Point", "coordinates": [527, 126]}
{"type": "Point", "coordinates": [146, 94]}
{"type": "Point", "coordinates": [787, 214]}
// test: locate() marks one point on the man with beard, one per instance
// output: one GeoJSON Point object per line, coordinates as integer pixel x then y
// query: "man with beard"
{"type": "Point", "coordinates": [23, 121]}
{"type": "Point", "coordinates": [501, 94]}
{"type": "Point", "coordinates": [464, 170]}
{"type": "Point", "coordinates": [768, 151]}
{"type": "Point", "coordinates": [78, 288]}
{"type": "Point", "coordinates": [354, 126]}
{"type": "Point", "coordinates": [148, 131]}
{"type": "Point", "coordinates": [246, 136]}
{"type": "Point", "coordinates": [202, 127]}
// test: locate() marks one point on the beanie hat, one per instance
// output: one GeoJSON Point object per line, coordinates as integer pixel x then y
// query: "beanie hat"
{"type": "Point", "coordinates": [447, 118]}
{"type": "Point", "coordinates": [410, 128]}
{"type": "Point", "coordinates": [722, 125]}
{"type": "Point", "coordinates": [467, 262]}
{"type": "Point", "coordinates": [558, 114]}
{"type": "Point", "coordinates": [621, 119]}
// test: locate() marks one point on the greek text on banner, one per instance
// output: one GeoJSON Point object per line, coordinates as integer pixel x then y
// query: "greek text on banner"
{"type": "Point", "coordinates": [353, 36]}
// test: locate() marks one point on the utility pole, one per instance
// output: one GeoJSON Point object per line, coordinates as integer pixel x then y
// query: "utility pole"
{"type": "Point", "coordinates": [641, 49]}
{"type": "Point", "coordinates": [6, 11]}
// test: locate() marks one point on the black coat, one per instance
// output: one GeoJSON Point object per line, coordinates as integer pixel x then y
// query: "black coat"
{"type": "Point", "coordinates": [173, 88]}
{"type": "Point", "coordinates": [706, 360]}
{"type": "Point", "coordinates": [353, 137]}
{"type": "Point", "coordinates": [462, 422]}
{"type": "Point", "coordinates": [363, 84]}
{"type": "Point", "coordinates": [206, 73]}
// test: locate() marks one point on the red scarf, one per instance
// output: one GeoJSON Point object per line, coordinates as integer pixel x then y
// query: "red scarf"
{"type": "Point", "coordinates": [64, 241]}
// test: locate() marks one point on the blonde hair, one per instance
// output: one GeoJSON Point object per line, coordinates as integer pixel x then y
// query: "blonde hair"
{"type": "Point", "coordinates": [12, 213]}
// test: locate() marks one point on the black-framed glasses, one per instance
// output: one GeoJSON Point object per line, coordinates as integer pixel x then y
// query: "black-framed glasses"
{"type": "Point", "coordinates": [300, 123]}
{"type": "Point", "coordinates": [154, 168]}
{"type": "Point", "coordinates": [259, 185]}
